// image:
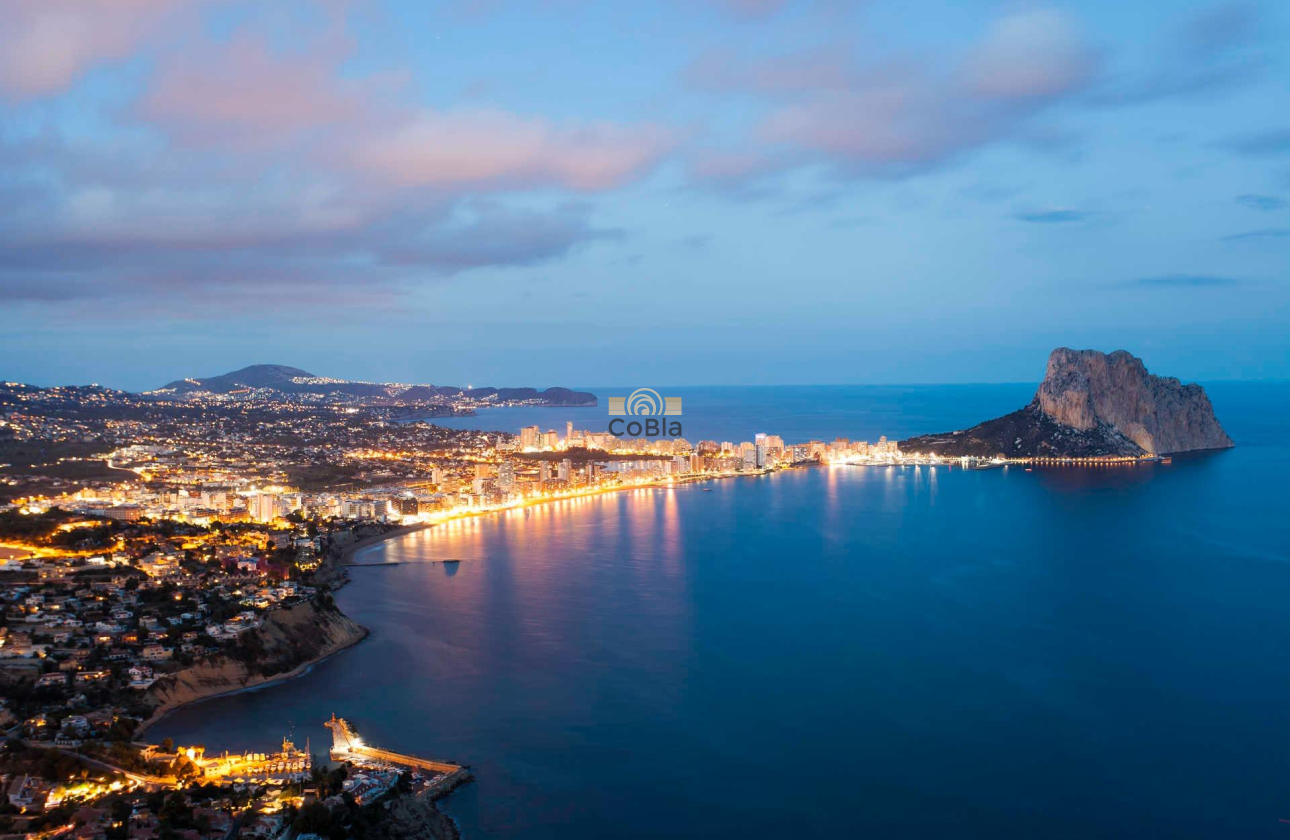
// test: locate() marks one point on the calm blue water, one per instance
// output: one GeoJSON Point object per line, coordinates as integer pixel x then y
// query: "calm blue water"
{"type": "Point", "coordinates": [842, 652]}
{"type": "Point", "coordinates": [798, 413]}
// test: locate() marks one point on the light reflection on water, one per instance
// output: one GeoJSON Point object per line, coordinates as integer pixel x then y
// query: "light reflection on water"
{"type": "Point", "coordinates": [837, 652]}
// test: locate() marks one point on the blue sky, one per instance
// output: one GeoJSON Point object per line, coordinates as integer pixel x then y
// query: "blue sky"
{"type": "Point", "coordinates": [682, 191]}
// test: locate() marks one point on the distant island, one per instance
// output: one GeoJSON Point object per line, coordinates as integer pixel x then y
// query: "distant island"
{"type": "Point", "coordinates": [290, 381]}
{"type": "Point", "coordinates": [1092, 404]}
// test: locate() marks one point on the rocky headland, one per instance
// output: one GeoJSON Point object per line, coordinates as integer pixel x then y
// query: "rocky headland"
{"type": "Point", "coordinates": [1092, 404]}
{"type": "Point", "coordinates": [285, 382]}
{"type": "Point", "coordinates": [286, 643]}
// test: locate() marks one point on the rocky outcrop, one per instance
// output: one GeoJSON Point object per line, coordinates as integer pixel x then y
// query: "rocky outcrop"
{"type": "Point", "coordinates": [1083, 389]}
{"type": "Point", "coordinates": [413, 817]}
{"type": "Point", "coordinates": [1092, 404]}
{"type": "Point", "coordinates": [287, 642]}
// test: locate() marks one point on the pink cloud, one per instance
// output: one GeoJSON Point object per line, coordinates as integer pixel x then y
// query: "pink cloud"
{"type": "Point", "coordinates": [46, 45]}
{"type": "Point", "coordinates": [79, 229]}
{"type": "Point", "coordinates": [829, 107]}
{"type": "Point", "coordinates": [271, 170]}
{"type": "Point", "coordinates": [242, 92]}
{"type": "Point", "coordinates": [474, 148]}
{"type": "Point", "coordinates": [244, 96]}
{"type": "Point", "coordinates": [1035, 53]}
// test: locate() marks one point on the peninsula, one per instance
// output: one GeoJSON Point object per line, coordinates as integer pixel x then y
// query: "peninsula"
{"type": "Point", "coordinates": [1090, 405]}
{"type": "Point", "coordinates": [279, 381]}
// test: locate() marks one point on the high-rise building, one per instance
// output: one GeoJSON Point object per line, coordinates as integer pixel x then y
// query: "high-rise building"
{"type": "Point", "coordinates": [506, 476]}
{"type": "Point", "coordinates": [529, 437]}
{"type": "Point", "coordinates": [358, 509]}
{"type": "Point", "coordinates": [263, 507]}
{"type": "Point", "coordinates": [551, 440]}
{"type": "Point", "coordinates": [568, 433]}
{"type": "Point", "coordinates": [566, 468]}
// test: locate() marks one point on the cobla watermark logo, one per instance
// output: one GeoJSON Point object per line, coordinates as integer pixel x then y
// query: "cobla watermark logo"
{"type": "Point", "coordinates": [645, 402]}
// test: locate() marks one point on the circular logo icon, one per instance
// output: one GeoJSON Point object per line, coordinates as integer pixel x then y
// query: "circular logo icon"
{"type": "Point", "coordinates": [644, 401]}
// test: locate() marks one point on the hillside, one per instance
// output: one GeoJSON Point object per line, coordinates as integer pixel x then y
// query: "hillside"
{"type": "Point", "coordinates": [292, 381]}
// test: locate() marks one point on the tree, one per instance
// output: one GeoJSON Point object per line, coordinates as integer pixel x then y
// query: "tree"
{"type": "Point", "coordinates": [314, 818]}
{"type": "Point", "coordinates": [121, 810]}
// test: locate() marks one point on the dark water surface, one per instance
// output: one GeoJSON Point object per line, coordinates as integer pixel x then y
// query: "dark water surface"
{"type": "Point", "coordinates": [839, 652]}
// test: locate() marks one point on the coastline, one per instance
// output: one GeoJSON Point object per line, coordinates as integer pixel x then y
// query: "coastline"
{"type": "Point", "coordinates": [347, 553]}
{"type": "Point", "coordinates": [254, 684]}
{"type": "Point", "coordinates": [339, 561]}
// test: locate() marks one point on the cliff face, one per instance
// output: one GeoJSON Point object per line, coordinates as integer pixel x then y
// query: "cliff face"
{"type": "Point", "coordinates": [1092, 404]}
{"type": "Point", "coordinates": [286, 642]}
{"type": "Point", "coordinates": [1084, 388]}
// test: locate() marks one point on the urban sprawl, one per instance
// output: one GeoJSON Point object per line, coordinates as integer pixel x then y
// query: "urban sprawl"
{"type": "Point", "coordinates": [151, 548]}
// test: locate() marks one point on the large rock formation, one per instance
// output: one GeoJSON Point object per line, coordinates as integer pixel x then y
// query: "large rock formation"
{"type": "Point", "coordinates": [1089, 404]}
{"type": "Point", "coordinates": [1085, 388]}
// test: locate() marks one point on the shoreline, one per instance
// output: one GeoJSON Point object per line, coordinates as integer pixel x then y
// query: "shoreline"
{"type": "Point", "coordinates": [342, 563]}
{"type": "Point", "coordinates": [254, 684]}
{"type": "Point", "coordinates": [347, 553]}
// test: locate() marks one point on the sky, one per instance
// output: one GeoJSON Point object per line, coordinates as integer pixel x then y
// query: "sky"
{"type": "Point", "coordinates": [565, 192]}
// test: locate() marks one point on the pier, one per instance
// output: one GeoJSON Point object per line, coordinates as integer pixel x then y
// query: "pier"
{"type": "Point", "coordinates": [1091, 460]}
{"type": "Point", "coordinates": [348, 746]}
{"type": "Point", "coordinates": [973, 462]}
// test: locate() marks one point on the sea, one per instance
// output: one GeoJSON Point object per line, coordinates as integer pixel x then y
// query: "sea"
{"type": "Point", "coordinates": [838, 651]}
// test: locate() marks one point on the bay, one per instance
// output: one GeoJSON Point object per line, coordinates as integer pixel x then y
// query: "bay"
{"type": "Point", "coordinates": [845, 651]}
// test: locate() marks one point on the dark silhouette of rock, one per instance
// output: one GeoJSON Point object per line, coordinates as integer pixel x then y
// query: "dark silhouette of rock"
{"type": "Point", "coordinates": [1090, 404]}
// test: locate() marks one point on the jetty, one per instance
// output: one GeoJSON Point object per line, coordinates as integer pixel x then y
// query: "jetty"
{"type": "Point", "coordinates": [347, 745]}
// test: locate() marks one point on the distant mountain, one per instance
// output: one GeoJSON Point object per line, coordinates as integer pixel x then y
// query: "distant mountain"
{"type": "Point", "coordinates": [294, 381]}
{"type": "Point", "coordinates": [277, 377]}
{"type": "Point", "coordinates": [1091, 404]}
